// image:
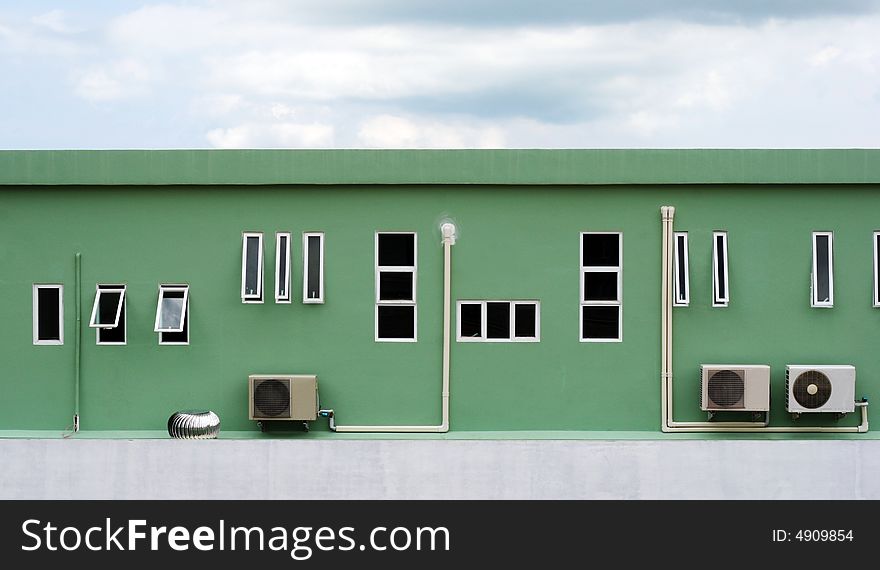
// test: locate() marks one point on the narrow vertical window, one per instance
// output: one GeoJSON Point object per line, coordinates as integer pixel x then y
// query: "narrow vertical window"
{"type": "Point", "coordinates": [823, 270]}
{"type": "Point", "coordinates": [108, 315]}
{"type": "Point", "coordinates": [252, 267]}
{"type": "Point", "coordinates": [172, 314]}
{"type": "Point", "coordinates": [681, 284]}
{"type": "Point", "coordinates": [720, 291]}
{"type": "Point", "coordinates": [499, 321]}
{"type": "Point", "coordinates": [877, 269]}
{"type": "Point", "coordinates": [313, 267]}
{"type": "Point", "coordinates": [396, 286]}
{"type": "Point", "coordinates": [601, 278]}
{"type": "Point", "coordinates": [282, 267]}
{"type": "Point", "coordinates": [48, 314]}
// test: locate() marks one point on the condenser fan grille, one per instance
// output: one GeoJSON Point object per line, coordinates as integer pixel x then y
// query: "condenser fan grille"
{"type": "Point", "coordinates": [272, 398]}
{"type": "Point", "coordinates": [812, 389]}
{"type": "Point", "coordinates": [726, 388]}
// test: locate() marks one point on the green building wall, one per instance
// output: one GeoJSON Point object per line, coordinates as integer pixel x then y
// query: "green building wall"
{"type": "Point", "coordinates": [515, 241]}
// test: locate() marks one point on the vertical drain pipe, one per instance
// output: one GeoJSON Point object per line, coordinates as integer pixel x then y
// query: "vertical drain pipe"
{"type": "Point", "coordinates": [447, 229]}
{"type": "Point", "coordinates": [666, 213]}
{"type": "Point", "coordinates": [77, 342]}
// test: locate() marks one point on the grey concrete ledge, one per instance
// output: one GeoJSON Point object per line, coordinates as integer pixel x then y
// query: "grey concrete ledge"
{"type": "Point", "coordinates": [436, 469]}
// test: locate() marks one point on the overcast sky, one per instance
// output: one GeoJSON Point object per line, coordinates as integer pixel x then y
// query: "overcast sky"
{"type": "Point", "coordinates": [439, 73]}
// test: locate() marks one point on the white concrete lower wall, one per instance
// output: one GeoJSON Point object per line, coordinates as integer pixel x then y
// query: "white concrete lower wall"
{"type": "Point", "coordinates": [437, 469]}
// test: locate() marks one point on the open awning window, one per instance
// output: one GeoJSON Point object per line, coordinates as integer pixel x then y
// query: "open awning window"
{"type": "Point", "coordinates": [107, 308]}
{"type": "Point", "coordinates": [171, 310]}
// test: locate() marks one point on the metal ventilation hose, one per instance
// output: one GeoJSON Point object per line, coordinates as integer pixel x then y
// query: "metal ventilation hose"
{"type": "Point", "coordinates": [194, 424]}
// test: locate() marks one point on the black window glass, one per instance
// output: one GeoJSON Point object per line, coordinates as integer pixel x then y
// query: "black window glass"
{"type": "Point", "coordinates": [395, 286]}
{"type": "Point", "coordinates": [722, 270]}
{"type": "Point", "coordinates": [397, 249]}
{"type": "Point", "coordinates": [471, 324]}
{"type": "Point", "coordinates": [682, 269]}
{"type": "Point", "coordinates": [282, 266]}
{"type": "Point", "coordinates": [498, 320]}
{"type": "Point", "coordinates": [525, 321]}
{"type": "Point", "coordinates": [877, 264]}
{"type": "Point", "coordinates": [107, 307]}
{"type": "Point", "coordinates": [601, 250]}
{"type": "Point", "coordinates": [314, 279]}
{"type": "Point", "coordinates": [600, 322]}
{"type": "Point", "coordinates": [397, 322]}
{"type": "Point", "coordinates": [600, 286]}
{"type": "Point", "coordinates": [252, 266]}
{"type": "Point", "coordinates": [47, 313]}
{"type": "Point", "coordinates": [117, 333]}
{"type": "Point", "coordinates": [182, 336]}
{"type": "Point", "coordinates": [823, 279]}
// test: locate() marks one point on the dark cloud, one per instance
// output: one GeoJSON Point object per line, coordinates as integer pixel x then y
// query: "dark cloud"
{"type": "Point", "coordinates": [555, 12]}
{"type": "Point", "coordinates": [548, 104]}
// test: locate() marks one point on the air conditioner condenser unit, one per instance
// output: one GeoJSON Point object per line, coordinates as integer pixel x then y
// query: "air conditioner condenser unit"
{"type": "Point", "coordinates": [814, 388]}
{"type": "Point", "coordinates": [283, 397]}
{"type": "Point", "coordinates": [735, 388]}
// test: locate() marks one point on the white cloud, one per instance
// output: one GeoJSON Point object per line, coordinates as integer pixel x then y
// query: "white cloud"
{"type": "Point", "coordinates": [272, 135]}
{"type": "Point", "coordinates": [824, 56]}
{"type": "Point", "coordinates": [55, 21]}
{"type": "Point", "coordinates": [98, 85]}
{"type": "Point", "coordinates": [29, 42]}
{"type": "Point", "coordinates": [217, 104]}
{"type": "Point", "coordinates": [269, 73]}
{"type": "Point", "coordinates": [648, 122]}
{"type": "Point", "coordinates": [117, 80]}
{"type": "Point", "coordinates": [389, 131]}
{"type": "Point", "coordinates": [710, 90]}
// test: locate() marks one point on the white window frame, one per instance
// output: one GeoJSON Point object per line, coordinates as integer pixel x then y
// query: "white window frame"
{"type": "Point", "coordinates": [876, 301]}
{"type": "Point", "coordinates": [320, 299]}
{"type": "Point", "coordinates": [100, 289]}
{"type": "Point", "coordinates": [122, 311]}
{"type": "Point", "coordinates": [618, 269]}
{"type": "Point", "coordinates": [36, 314]}
{"type": "Point", "coordinates": [717, 300]}
{"type": "Point", "coordinates": [279, 260]}
{"type": "Point", "coordinates": [258, 296]}
{"type": "Point", "coordinates": [679, 300]}
{"type": "Point", "coordinates": [484, 321]}
{"type": "Point", "coordinates": [185, 321]}
{"type": "Point", "coordinates": [397, 268]}
{"type": "Point", "coordinates": [814, 289]}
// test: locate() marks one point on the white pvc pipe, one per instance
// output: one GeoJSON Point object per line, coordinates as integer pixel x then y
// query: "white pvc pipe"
{"type": "Point", "coordinates": [668, 424]}
{"type": "Point", "coordinates": [448, 231]}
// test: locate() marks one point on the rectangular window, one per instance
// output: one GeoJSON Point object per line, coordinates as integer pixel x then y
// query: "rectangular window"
{"type": "Point", "coordinates": [282, 267]}
{"type": "Point", "coordinates": [601, 279]}
{"type": "Point", "coordinates": [499, 321]}
{"type": "Point", "coordinates": [48, 314]}
{"type": "Point", "coordinates": [877, 269]}
{"type": "Point", "coordinates": [172, 314]}
{"type": "Point", "coordinates": [395, 286]}
{"type": "Point", "coordinates": [823, 270]}
{"type": "Point", "coordinates": [681, 284]}
{"type": "Point", "coordinates": [108, 314]}
{"type": "Point", "coordinates": [313, 267]}
{"type": "Point", "coordinates": [498, 315]}
{"type": "Point", "coordinates": [252, 267]}
{"type": "Point", "coordinates": [720, 290]}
